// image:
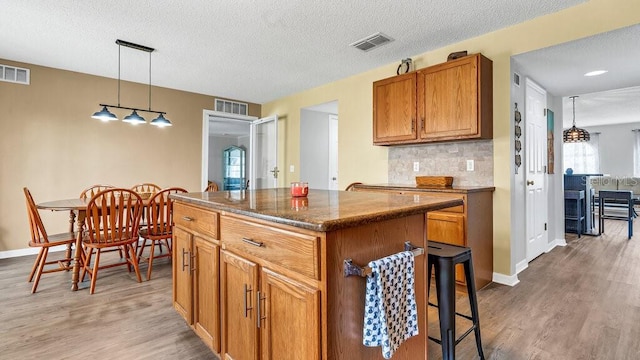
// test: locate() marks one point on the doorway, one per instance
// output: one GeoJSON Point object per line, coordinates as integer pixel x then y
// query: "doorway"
{"type": "Point", "coordinates": [220, 132]}
{"type": "Point", "coordinates": [319, 145]}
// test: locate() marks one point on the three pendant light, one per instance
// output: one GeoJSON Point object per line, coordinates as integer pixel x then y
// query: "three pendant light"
{"type": "Point", "coordinates": [133, 118]}
{"type": "Point", "coordinates": [575, 134]}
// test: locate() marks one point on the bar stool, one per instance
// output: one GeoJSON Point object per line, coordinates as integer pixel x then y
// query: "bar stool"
{"type": "Point", "coordinates": [444, 258]}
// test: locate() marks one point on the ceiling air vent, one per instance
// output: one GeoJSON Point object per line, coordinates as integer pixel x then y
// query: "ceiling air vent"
{"type": "Point", "coordinates": [231, 107]}
{"type": "Point", "coordinates": [372, 42]}
{"type": "Point", "coordinates": [14, 74]}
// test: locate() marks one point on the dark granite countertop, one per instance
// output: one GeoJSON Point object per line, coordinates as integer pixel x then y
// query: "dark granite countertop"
{"type": "Point", "coordinates": [413, 187]}
{"type": "Point", "coordinates": [321, 210]}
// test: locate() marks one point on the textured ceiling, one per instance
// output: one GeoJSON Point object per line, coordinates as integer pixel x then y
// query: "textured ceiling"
{"type": "Point", "coordinates": [251, 50]}
{"type": "Point", "coordinates": [611, 98]}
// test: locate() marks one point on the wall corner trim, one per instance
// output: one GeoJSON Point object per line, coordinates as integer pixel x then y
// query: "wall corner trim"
{"type": "Point", "coordinates": [509, 280]}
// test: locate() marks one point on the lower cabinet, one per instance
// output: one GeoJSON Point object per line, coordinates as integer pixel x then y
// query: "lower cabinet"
{"type": "Point", "coordinates": [447, 228]}
{"type": "Point", "coordinates": [265, 313]}
{"type": "Point", "coordinates": [196, 284]}
{"type": "Point", "coordinates": [470, 224]}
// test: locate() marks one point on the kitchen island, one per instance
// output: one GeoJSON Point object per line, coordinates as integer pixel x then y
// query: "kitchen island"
{"type": "Point", "coordinates": [259, 274]}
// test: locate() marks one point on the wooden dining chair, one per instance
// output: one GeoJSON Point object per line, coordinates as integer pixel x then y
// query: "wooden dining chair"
{"type": "Point", "coordinates": [89, 192]}
{"type": "Point", "coordinates": [212, 186]}
{"type": "Point", "coordinates": [40, 238]}
{"type": "Point", "coordinates": [113, 220]}
{"type": "Point", "coordinates": [146, 188]}
{"type": "Point", "coordinates": [351, 186]}
{"type": "Point", "coordinates": [159, 227]}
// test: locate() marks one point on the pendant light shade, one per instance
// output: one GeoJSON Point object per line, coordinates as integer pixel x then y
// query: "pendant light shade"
{"type": "Point", "coordinates": [160, 121]}
{"type": "Point", "coordinates": [575, 134]}
{"type": "Point", "coordinates": [134, 119]}
{"type": "Point", "coordinates": [104, 115]}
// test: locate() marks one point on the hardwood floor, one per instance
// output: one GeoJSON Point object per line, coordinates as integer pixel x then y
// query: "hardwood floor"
{"type": "Point", "coordinates": [581, 301]}
{"type": "Point", "coordinates": [124, 319]}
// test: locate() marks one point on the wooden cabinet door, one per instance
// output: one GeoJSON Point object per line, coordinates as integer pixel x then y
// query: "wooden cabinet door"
{"type": "Point", "coordinates": [206, 292]}
{"type": "Point", "coordinates": [448, 100]}
{"type": "Point", "coordinates": [239, 287]}
{"type": "Point", "coordinates": [447, 228]}
{"type": "Point", "coordinates": [394, 109]}
{"type": "Point", "coordinates": [182, 282]}
{"type": "Point", "coordinates": [290, 319]}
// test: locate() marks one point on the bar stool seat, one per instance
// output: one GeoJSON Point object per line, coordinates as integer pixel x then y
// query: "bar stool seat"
{"type": "Point", "coordinates": [443, 258]}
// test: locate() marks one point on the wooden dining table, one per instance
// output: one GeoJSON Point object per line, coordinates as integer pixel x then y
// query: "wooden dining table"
{"type": "Point", "coordinates": [78, 209]}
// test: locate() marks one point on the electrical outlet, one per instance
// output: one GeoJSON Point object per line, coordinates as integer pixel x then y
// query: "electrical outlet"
{"type": "Point", "coordinates": [292, 168]}
{"type": "Point", "coordinates": [416, 166]}
{"type": "Point", "coordinates": [470, 165]}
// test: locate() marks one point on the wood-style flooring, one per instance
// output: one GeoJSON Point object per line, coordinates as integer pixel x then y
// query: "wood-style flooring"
{"type": "Point", "coordinates": [581, 301]}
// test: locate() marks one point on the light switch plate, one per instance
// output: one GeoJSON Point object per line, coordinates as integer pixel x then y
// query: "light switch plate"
{"type": "Point", "coordinates": [416, 166]}
{"type": "Point", "coordinates": [470, 165]}
{"type": "Point", "coordinates": [292, 168]}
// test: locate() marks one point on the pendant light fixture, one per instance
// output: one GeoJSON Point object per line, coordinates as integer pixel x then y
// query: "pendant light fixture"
{"type": "Point", "coordinates": [575, 134]}
{"type": "Point", "coordinates": [133, 118]}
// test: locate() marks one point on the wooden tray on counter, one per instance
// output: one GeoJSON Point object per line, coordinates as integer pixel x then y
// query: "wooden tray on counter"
{"type": "Point", "coordinates": [434, 181]}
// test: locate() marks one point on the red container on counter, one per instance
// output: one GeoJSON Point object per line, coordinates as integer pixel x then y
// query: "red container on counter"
{"type": "Point", "coordinates": [299, 189]}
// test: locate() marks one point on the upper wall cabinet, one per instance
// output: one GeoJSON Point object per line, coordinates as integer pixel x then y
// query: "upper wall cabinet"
{"type": "Point", "coordinates": [445, 102]}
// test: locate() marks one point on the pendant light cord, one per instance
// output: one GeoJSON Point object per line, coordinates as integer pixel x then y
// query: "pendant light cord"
{"type": "Point", "coordinates": [149, 81]}
{"type": "Point", "coordinates": [119, 47]}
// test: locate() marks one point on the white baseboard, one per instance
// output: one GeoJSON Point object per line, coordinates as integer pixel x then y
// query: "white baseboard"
{"type": "Point", "coordinates": [509, 280]}
{"type": "Point", "coordinates": [27, 251]}
{"type": "Point", "coordinates": [556, 242]}
{"type": "Point", "coordinates": [521, 266]}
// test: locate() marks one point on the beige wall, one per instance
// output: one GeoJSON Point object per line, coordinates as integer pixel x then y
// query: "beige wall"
{"type": "Point", "coordinates": [359, 160]}
{"type": "Point", "coordinates": [50, 144]}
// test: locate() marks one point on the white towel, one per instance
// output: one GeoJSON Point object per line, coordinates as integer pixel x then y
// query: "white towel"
{"type": "Point", "coordinates": [390, 313]}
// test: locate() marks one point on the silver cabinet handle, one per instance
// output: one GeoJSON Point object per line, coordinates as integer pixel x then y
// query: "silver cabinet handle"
{"type": "Point", "coordinates": [252, 242]}
{"type": "Point", "coordinates": [186, 218]}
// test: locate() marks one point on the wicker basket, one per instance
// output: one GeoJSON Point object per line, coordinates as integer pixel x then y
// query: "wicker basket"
{"type": "Point", "coordinates": [434, 181]}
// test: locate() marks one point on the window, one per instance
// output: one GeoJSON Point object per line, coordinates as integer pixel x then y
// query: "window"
{"type": "Point", "coordinates": [582, 157]}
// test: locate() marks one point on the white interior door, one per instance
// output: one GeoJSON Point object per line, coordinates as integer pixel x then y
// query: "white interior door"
{"type": "Point", "coordinates": [536, 155]}
{"type": "Point", "coordinates": [264, 155]}
{"type": "Point", "coordinates": [333, 152]}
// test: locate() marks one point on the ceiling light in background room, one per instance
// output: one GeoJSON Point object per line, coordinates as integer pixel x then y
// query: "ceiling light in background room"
{"type": "Point", "coordinates": [575, 134]}
{"type": "Point", "coordinates": [596, 72]}
{"type": "Point", "coordinates": [134, 118]}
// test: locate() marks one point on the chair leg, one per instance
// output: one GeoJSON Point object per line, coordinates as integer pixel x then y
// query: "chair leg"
{"type": "Point", "coordinates": [94, 274]}
{"type": "Point", "coordinates": [142, 247]}
{"type": "Point", "coordinates": [35, 264]}
{"type": "Point", "coordinates": [151, 254]}
{"type": "Point", "coordinates": [473, 304]}
{"type": "Point", "coordinates": [43, 260]}
{"type": "Point", "coordinates": [86, 267]}
{"type": "Point", "coordinates": [134, 260]}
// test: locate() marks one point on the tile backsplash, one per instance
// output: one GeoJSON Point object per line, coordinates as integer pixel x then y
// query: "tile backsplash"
{"type": "Point", "coordinates": [445, 159]}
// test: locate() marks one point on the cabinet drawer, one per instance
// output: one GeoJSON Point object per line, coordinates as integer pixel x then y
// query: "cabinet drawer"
{"type": "Point", "coordinates": [198, 220]}
{"type": "Point", "coordinates": [298, 252]}
{"type": "Point", "coordinates": [455, 209]}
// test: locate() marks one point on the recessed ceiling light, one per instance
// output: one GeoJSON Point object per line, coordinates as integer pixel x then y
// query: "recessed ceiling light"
{"type": "Point", "coordinates": [596, 73]}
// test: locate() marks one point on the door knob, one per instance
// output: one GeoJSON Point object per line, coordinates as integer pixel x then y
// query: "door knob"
{"type": "Point", "coordinates": [529, 182]}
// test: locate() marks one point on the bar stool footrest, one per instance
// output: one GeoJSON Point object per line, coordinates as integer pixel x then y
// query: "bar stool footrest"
{"type": "Point", "coordinates": [438, 341]}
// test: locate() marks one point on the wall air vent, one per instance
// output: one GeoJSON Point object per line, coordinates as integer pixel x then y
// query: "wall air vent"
{"type": "Point", "coordinates": [14, 74]}
{"type": "Point", "coordinates": [232, 107]}
{"type": "Point", "coordinates": [371, 42]}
